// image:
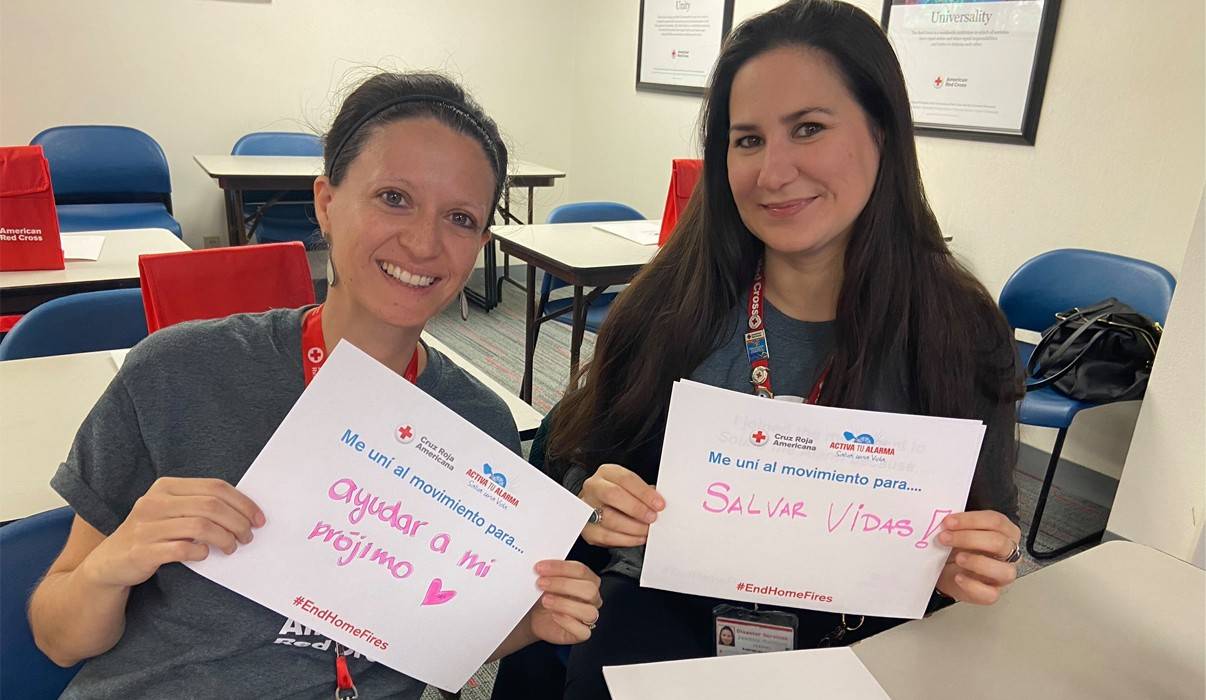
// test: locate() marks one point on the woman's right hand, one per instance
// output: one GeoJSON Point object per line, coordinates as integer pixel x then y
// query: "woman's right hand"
{"type": "Point", "coordinates": [176, 520]}
{"type": "Point", "coordinates": [628, 506]}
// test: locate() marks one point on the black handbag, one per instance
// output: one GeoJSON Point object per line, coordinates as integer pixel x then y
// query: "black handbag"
{"type": "Point", "coordinates": [1099, 353]}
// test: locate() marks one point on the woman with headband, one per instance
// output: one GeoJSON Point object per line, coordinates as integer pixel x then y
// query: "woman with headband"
{"type": "Point", "coordinates": [413, 171]}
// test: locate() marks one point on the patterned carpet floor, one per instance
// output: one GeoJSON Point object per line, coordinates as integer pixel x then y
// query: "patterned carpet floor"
{"type": "Point", "coordinates": [494, 341]}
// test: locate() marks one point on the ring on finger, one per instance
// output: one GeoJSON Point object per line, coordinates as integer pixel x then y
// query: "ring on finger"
{"type": "Point", "coordinates": [596, 516]}
{"type": "Point", "coordinates": [1015, 555]}
{"type": "Point", "coordinates": [592, 625]}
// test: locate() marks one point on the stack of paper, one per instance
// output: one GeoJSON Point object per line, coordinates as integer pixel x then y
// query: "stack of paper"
{"type": "Point", "coordinates": [642, 232]}
{"type": "Point", "coordinates": [79, 247]}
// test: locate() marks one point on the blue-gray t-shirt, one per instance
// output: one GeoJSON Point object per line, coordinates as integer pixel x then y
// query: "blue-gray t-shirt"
{"type": "Point", "coordinates": [201, 399]}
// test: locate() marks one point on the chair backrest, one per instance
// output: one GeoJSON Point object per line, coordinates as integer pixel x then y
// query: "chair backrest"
{"type": "Point", "coordinates": [585, 212]}
{"type": "Point", "coordinates": [1062, 279]}
{"type": "Point", "coordinates": [107, 320]}
{"type": "Point", "coordinates": [28, 547]}
{"type": "Point", "coordinates": [93, 164]}
{"type": "Point", "coordinates": [218, 282]}
{"type": "Point", "coordinates": [277, 143]}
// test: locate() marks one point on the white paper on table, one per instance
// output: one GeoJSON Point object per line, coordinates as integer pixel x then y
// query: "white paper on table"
{"type": "Point", "coordinates": [439, 615]}
{"type": "Point", "coordinates": [805, 506]}
{"type": "Point", "coordinates": [118, 357]}
{"type": "Point", "coordinates": [642, 232]}
{"type": "Point", "coordinates": [822, 674]}
{"type": "Point", "coordinates": [82, 247]}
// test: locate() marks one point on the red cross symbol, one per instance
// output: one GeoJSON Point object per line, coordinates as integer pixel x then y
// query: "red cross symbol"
{"type": "Point", "coordinates": [938, 81]}
{"type": "Point", "coordinates": [758, 438]}
{"type": "Point", "coordinates": [314, 354]}
{"type": "Point", "coordinates": [405, 434]}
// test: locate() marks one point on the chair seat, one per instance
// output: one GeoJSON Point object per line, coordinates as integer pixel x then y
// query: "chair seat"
{"type": "Point", "coordinates": [100, 217]}
{"type": "Point", "coordinates": [595, 314]}
{"type": "Point", "coordinates": [1046, 408]}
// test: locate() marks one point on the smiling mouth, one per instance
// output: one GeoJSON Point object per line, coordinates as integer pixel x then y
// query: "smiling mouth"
{"type": "Point", "coordinates": [788, 208]}
{"type": "Point", "coordinates": [409, 279]}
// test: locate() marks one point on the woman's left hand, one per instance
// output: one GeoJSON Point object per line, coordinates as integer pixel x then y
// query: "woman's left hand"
{"type": "Point", "coordinates": [981, 541]}
{"type": "Point", "coordinates": [569, 607]}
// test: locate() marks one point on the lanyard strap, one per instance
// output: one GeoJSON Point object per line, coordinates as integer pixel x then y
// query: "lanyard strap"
{"type": "Point", "coordinates": [345, 689]}
{"type": "Point", "coordinates": [314, 348]}
{"type": "Point", "coordinates": [757, 351]}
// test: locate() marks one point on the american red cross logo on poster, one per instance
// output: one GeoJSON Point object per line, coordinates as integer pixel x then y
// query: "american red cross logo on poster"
{"type": "Point", "coordinates": [314, 355]}
{"type": "Point", "coordinates": [404, 434]}
{"type": "Point", "coordinates": [759, 438]}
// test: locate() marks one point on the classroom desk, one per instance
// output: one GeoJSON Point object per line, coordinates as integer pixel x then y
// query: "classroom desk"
{"type": "Point", "coordinates": [1119, 621]}
{"type": "Point", "coordinates": [117, 268]}
{"type": "Point", "coordinates": [580, 254]}
{"type": "Point", "coordinates": [236, 174]}
{"type": "Point", "coordinates": [46, 399]}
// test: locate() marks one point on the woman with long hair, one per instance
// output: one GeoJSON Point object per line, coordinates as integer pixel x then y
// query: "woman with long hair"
{"type": "Point", "coordinates": [810, 187]}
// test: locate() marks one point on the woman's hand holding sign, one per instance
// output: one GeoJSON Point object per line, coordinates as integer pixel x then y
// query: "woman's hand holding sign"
{"type": "Point", "coordinates": [984, 553]}
{"type": "Point", "coordinates": [624, 507]}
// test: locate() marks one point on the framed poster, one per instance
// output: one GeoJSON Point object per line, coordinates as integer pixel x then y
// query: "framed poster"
{"type": "Point", "coordinates": [975, 69]}
{"type": "Point", "coordinates": [678, 42]}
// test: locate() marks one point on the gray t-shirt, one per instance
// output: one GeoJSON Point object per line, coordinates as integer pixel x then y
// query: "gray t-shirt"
{"type": "Point", "coordinates": [797, 350]}
{"type": "Point", "coordinates": [201, 399]}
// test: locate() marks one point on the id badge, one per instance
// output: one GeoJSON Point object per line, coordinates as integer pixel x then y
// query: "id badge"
{"type": "Point", "coordinates": [740, 630]}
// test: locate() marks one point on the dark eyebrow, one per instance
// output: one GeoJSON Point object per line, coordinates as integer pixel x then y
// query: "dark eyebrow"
{"type": "Point", "coordinates": [788, 119]}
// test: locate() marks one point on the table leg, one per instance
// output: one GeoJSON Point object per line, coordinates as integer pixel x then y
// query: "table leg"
{"type": "Point", "coordinates": [234, 217]}
{"type": "Point", "coordinates": [577, 330]}
{"type": "Point", "coordinates": [529, 345]}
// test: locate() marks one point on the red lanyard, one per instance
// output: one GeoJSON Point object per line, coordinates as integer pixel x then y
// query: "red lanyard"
{"type": "Point", "coordinates": [314, 348]}
{"type": "Point", "coordinates": [757, 351]}
{"type": "Point", "coordinates": [314, 353]}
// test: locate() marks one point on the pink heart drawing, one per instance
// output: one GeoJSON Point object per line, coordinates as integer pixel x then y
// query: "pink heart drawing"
{"type": "Point", "coordinates": [436, 595]}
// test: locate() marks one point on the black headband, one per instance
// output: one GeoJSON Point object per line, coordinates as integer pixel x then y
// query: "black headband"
{"type": "Point", "coordinates": [458, 108]}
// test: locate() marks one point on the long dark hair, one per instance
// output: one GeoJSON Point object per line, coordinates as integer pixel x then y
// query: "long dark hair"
{"type": "Point", "coordinates": [904, 302]}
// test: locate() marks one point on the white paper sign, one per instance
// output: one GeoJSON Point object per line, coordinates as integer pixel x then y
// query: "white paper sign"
{"type": "Point", "coordinates": [805, 506]}
{"type": "Point", "coordinates": [820, 674]}
{"type": "Point", "coordinates": [395, 527]}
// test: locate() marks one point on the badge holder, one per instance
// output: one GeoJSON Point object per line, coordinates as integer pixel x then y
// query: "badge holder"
{"type": "Point", "coordinates": [739, 630]}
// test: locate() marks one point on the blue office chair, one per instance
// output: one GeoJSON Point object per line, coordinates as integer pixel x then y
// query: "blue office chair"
{"type": "Point", "coordinates": [112, 319]}
{"type": "Point", "coordinates": [108, 177]}
{"type": "Point", "coordinates": [28, 547]}
{"type": "Point", "coordinates": [274, 217]}
{"type": "Point", "coordinates": [559, 309]}
{"type": "Point", "coordinates": [1057, 281]}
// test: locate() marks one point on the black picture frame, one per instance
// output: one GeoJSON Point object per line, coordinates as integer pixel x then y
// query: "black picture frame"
{"type": "Point", "coordinates": [1039, 68]}
{"type": "Point", "coordinates": [668, 87]}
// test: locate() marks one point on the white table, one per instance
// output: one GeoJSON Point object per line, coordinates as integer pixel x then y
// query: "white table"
{"type": "Point", "coordinates": [580, 254]}
{"type": "Point", "coordinates": [46, 399]}
{"type": "Point", "coordinates": [237, 174]}
{"type": "Point", "coordinates": [1118, 621]}
{"type": "Point", "coordinates": [117, 268]}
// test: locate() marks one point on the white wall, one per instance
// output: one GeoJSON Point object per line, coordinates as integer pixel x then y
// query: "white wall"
{"type": "Point", "coordinates": [1118, 163]}
{"type": "Point", "coordinates": [198, 74]}
{"type": "Point", "coordinates": [1161, 499]}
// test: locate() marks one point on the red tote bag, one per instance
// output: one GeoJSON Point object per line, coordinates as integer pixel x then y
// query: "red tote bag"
{"type": "Point", "coordinates": [684, 173]}
{"type": "Point", "coordinates": [29, 224]}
